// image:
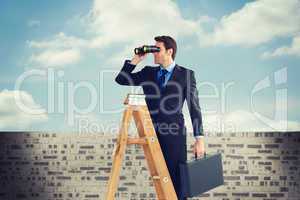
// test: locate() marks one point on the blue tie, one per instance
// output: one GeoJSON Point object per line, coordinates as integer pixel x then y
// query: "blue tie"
{"type": "Point", "coordinates": [162, 78]}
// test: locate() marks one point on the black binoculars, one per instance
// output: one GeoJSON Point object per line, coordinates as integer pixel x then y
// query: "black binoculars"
{"type": "Point", "coordinates": [146, 49]}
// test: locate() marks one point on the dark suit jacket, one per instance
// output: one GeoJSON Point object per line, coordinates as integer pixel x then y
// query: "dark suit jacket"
{"type": "Point", "coordinates": [165, 106]}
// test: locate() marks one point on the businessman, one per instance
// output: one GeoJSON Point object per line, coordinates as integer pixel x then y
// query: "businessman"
{"type": "Point", "coordinates": [166, 87]}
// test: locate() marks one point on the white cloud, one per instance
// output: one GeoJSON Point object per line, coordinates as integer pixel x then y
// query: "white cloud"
{"type": "Point", "coordinates": [124, 23]}
{"type": "Point", "coordinates": [292, 50]}
{"type": "Point", "coordinates": [12, 116]}
{"type": "Point", "coordinates": [59, 51]}
{"type": "Point", "coordinates": [58, 41]}
{"type": "Point", "coordinates": [131, 20]}
{"type": "Point", "coordinates": [240, 121]}
{"type": "Point", "coordinates": [256, 23]}
{"type": "Point", "coordinates": [56, 58]}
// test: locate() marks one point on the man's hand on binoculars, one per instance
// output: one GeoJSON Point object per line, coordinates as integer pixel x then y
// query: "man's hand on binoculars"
{"type": "Point", "coordinates": [138, 58]}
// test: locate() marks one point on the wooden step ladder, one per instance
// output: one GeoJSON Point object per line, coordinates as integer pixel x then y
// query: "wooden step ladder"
{"type": "Point", "coordinates": [135, 106]}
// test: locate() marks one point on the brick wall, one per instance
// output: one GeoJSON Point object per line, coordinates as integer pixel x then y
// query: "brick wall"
{"type": "Point", "coordinates": [73, 166]}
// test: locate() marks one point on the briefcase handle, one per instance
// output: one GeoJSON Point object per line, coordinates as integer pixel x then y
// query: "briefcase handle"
{"type": "Point", "coordinates": [196, 155]}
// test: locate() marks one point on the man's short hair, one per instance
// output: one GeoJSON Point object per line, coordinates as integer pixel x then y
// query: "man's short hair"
{"type": "Point", "coordinates": [169, 43]}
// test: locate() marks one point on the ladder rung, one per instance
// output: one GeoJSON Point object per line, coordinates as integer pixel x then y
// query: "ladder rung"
{"type": "Point", "coordinates": [165, 179]}
{"type": "Point", "coordinates": [155, 177]}
{"type": "Point", "coordinates": [136, 141]}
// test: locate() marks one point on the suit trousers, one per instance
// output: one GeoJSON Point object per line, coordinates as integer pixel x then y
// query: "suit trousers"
{"type": "Point", "coordinates": [174, 151]}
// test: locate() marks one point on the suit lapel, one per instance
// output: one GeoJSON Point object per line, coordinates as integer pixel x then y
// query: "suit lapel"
{"type": "Point", "coordinates": [174, 76]}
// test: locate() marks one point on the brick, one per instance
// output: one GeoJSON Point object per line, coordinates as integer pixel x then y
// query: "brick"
{"type": "Point", "coordinates": [235, 145]}
{"type": "Point", "coordinates": [264, 163]}
{"type": "Point", "coordinates": [87, 147]}
{"type": "Point", "coordinates": [101, 178]}
{"type": "Point", "coordinates": [259, 195]}
{"type": "Point", "coordinates": [254, 157]}
{"type": "Point", "coordinates": [219, 194]}
{"type": "Point", "coordinates": [240, 172]}
{"type": "Point", "coordinates": [290, 158]}
{"type": "Point", "coordinates": [214, 145]}
{"type": "Point", "coordinates": [264, 151]}
{"type": "Point", "coordinates": [96, 196]}
{"type": "Point", "coordinates": [234, 157]}
{"type": "Point", "coordinates": [63, 177]}
{"type": "Point", "coordinates": [251, 178]}
{"type": "Point", "coordinates": [273, 157]}
{"type": "Point", "coordinates": [232, 178]}
{"type": "Point", "coordinates": [41, 163]}
{"type": "Point", "coordinates": [271, 146]}
{"type": "Point", "coordinates": [87, 168]}
{"type": "Point", "coordinates": [240, 194]}
{"type": "Point", "coordinates": [277, 195]}
{"type": "Point", "coordinates": [278, 140]}
{"type": "Point", "coordinates": [284, 189]}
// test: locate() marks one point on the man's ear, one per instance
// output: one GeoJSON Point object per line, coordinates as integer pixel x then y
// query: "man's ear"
{"type": "Point", "coordinates": [170, 51]}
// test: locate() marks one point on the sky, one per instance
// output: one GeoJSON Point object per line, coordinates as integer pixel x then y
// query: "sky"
{"type": "Point", "coordinates": [59, 60]}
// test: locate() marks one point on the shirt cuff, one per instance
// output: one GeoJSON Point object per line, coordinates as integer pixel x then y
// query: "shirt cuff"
{"type": "Point", "coordinates": [199, 136]}
{"type": "Point", "coordinates": [128, 62]}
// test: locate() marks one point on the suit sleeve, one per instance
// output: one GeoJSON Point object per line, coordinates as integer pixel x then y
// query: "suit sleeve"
{"type": "Point", "coordinates": [126, 77]}
{"type": "Point", "coordinates": [193, 104]}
